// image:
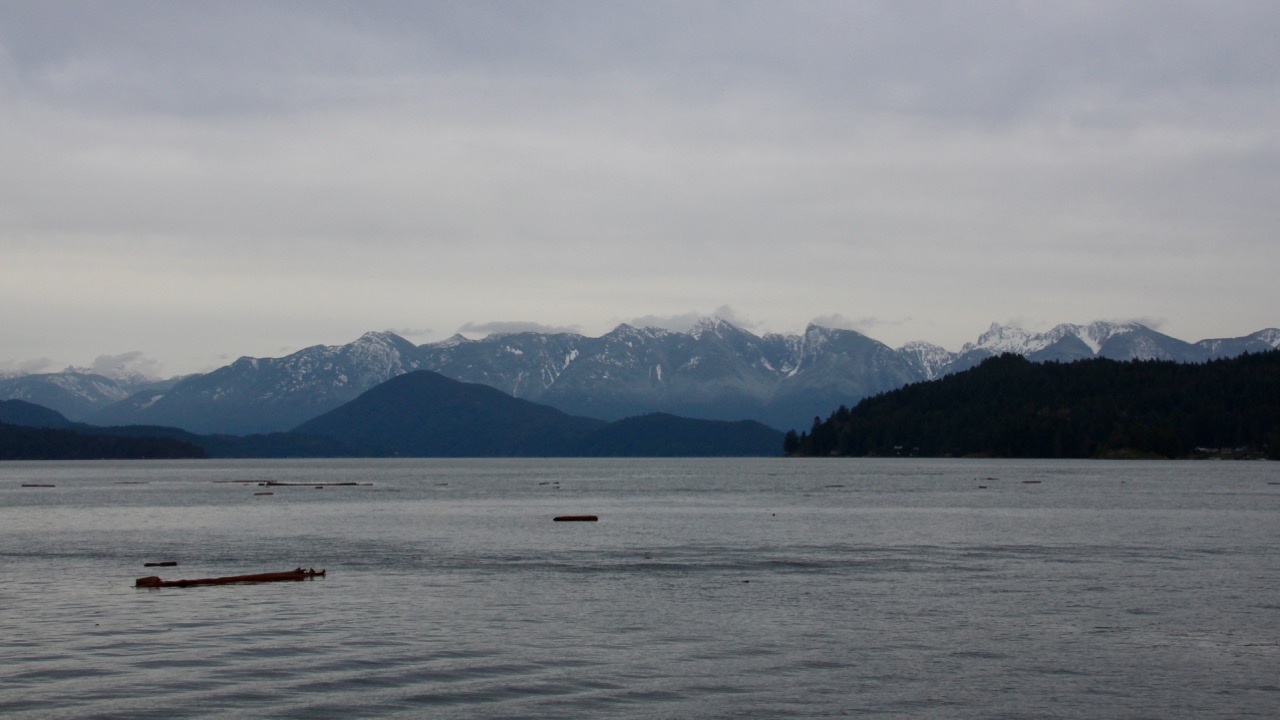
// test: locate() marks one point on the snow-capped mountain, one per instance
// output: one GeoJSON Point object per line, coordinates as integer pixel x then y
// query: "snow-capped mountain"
{"type": "Point", "coordinates": [253, 395]}
{"type": "Point", "coordinates": [1261, 341]}
{"type": "Point", "coordinates": [929, 361]}
{"type": "Point", "coordinates": [74, 392]}
{"type": "Point", "coordinates": [1000, 339]}
{"type": "Point", "coordinates": [1119, 341]}
{"type": "Point", "coordinates": [625, 372]}
{"type": "Point", "coordinates": [715, 371]}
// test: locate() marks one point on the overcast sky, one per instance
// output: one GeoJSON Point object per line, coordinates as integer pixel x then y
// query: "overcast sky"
{"type": "Point", "coordinates": [183, 183]}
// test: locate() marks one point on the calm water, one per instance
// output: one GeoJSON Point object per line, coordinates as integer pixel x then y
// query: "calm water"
{"type": "Point", "coordinates": [708, 589]}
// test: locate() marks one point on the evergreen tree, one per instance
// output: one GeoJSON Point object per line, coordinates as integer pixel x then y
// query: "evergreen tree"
{"type": "Point", "coordinates": [790, 443]}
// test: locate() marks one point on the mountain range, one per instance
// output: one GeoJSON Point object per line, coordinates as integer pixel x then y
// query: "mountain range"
{"type": "Point", "coordinates": [716, 371]}
{"type": "Point", "coordinates": [416, 414]}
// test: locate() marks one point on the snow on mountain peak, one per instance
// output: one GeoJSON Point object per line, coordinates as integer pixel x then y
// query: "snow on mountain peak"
{"type": "Point", "coordinates": [455, 341]}
{"type": "Point", "coordinates": [1010, 339]}
{"type": "Point", "coordinates": [710, 325]}
{"type": "Point", "coordinates": [377, 338]}
{"type": "Point", "coordinates": [1006, 338]}
{"type": "Point", "coordinates": [1096, 334]}
{"type": "Point", "coordinates": [125, 376]}
{"type": "Point", "coordinates": [814, 339]}
{"type": "Point", "coordinates": [625, 330]}
{"type": "Point", "coordinates": [922, 346]}
{"type": "Point", "coordinates": [932, 360]}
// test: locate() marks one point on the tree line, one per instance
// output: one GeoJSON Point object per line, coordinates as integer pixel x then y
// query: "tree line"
{"type": "Point", "coordinates": [28, 443]}
{"type": "Point", "coordinates": [1011, 407]}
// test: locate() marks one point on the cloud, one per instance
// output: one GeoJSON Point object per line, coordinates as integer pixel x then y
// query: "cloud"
{"type": "Point", "coordinates": [132, 362]}
{"type": "Point", "coordinates": [25, 367]}
{"type": "Point", "coordinates": [516, 326]}
{"type": "Point", "coordinates": [866, 325]}
{"type": "Point", "coordinates": [1035, 324]}
{"type": "Point", "coordinates": [1151, 321]}
{"type": "Point", "coordinates": [410, 332]}
{"type": "Point", "coordinates": [684, 322]}
{"type": "Point", "coordinates": [588, 162]}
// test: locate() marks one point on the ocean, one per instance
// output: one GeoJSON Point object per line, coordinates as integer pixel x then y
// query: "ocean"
{"type": "Point", "coordinates": [709, 588]}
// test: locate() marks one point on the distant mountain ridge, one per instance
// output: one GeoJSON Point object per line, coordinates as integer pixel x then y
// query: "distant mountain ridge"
{"type": "Point", "coordinates": [76, 392]}
{"type": "Point", "coordinates": [715, 371]}
{"type": "Point", "coordinates": [22, 442]}
{"type": "Point", "coordinates": [417, 414]}
{"type": "Point", "coordinates": [1114, 341]}
{"type": "Point", "coordinates": [67, 440]}
{"type": "Point", "coordinates": [424, 414]}
{"type": "Point", "coordinates": [262, 395]}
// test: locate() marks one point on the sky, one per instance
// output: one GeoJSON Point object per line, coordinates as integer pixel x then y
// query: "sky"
{"type": "Point", "coordinates": [182, 184]}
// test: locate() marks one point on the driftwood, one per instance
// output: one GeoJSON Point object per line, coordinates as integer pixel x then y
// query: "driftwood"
{"type": "Point", "coordinates": [298, 574]}
{"type": "Point", "coordinates": [277, 483]}
{"type": "Point", "coordinates": [576, 518]}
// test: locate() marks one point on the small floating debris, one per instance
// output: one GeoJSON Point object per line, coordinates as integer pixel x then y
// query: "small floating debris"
{"type": "Point", "coordinates": [165, 563]}
{"type": "Point", "coordinates": [37, 485]}
{"type": "Point", "coordinates": [1030, 482]}
{"type": "Point", "coordinates": [297, 574]}
{"type": "Point", "coordinates": [264, 493]}
{"type": "Point", "coordinates": [833, 486]}
{"type": "Point", "coordinates": [576, 518]}
{"type": "Point", "coordinates": [982, 487]}
{"type": "Point", "coordinates": [275, 483]}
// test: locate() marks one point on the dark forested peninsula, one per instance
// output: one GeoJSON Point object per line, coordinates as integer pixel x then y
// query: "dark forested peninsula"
{"type": "Point", "coordinates": [1011, 407]}
{"type": "Point", "coordinates": [33, 432]}
{"type": "Point", "coordinates": [33, 443]}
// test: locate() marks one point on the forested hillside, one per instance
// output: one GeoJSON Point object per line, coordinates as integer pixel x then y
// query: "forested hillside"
{"type": "Point", "coordinates": [30, 443]}
{"type": "Point", "coordinates": [1011, 407]}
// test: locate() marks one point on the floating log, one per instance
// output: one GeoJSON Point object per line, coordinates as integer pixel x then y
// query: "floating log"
{"type": "Point", "coordinates": [275, 483]}
{"type": "Point", "coordinates": [264, 493]}
{"type": "Point", "coordinates": [576, 518]}
{"type": "Point", "coordinates": [37, 485]}
{"type": "Point", "coordinates": [166, 563]}
{"type": "Point", "coordinates": [298, 574]}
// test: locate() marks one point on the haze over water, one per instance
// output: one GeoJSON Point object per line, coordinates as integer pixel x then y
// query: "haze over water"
{"type": "Point", "coordinates": [708, 589]}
